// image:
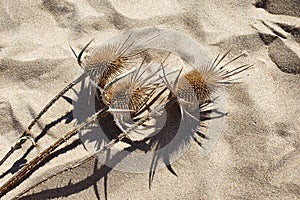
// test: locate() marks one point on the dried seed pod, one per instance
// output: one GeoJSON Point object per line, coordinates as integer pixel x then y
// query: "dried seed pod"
{"type": "Point", "coordinates": [106, 62]}
{"type": "Point", "coordinates": [133, 92]}
{"type": "Point", "coordinates": [198, 85]}
{"type": "Point", "coordinates": [192, 87]}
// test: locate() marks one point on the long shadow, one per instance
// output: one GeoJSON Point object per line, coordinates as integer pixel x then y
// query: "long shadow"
{"type": "Point", "coordinates": [17, 126]}
{"type": "Point", "coordinates": [22, 161]}
{"type": "Point", "coordinates": [55, 154]}
{"type": "Point", "coordinates": [158, 141]}
{"type": "Point", "coordinates": [81, 185]}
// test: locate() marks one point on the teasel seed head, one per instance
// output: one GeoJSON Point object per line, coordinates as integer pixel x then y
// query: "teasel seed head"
{"type": "Point", "coordinates": [106, 62]}
{"type": "Point", "coordinates": [199, 84]}
{"type": "Point", "coordinates": [134, 91]}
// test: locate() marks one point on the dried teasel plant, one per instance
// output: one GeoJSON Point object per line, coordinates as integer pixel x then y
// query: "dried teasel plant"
{"type": "Point", "coordinates": [195, 87]}
{"type": "Point", "coordinates": [122, 86]}
{"type": "Point", "coordinates": [197, 90]}
{"type": "Point", "coordinates": [102, 66]}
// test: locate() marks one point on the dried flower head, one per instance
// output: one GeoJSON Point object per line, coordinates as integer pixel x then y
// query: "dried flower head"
{"type": "Point", "coordinates": [198, 85]}
{"type": "Point", "coordinates": [106, 62]}
{"type": "Point", "coordinates": [133, 92]}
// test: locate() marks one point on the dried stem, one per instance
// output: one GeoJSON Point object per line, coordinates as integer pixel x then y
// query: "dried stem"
{"type": "Point", "coordinates": [26, 134]}
{"type": "Point", "coordinates": [13, 181]}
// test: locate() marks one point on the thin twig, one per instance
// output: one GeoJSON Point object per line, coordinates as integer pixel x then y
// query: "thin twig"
{"type": "Point", "coordinates": [26, 134]}
{"type": "Point", "coordinates": [13, 181]}
{"type": "Point", "coordinates": [81, 162]}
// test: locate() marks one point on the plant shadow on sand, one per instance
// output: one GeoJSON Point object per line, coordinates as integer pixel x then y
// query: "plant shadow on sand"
{"type": "Point", "coordinates": [167, 134]}
{"type": "Point", "coordinates": [22, 161]}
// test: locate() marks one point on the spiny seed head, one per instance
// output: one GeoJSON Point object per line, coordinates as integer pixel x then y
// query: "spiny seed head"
{"type": "Point", "coordinates": [134, 91]}
{"type": "Point", "coordinates": [128, 96]}
{"type": "Point", "coordinates": [192, 87]}
{"type": "Point", "coordinates": [104, 64]}
{"type": "Point", "coordinates": [197, 85]}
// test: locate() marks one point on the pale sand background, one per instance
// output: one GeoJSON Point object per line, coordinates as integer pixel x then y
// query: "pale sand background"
{"type": "Point", "coordinates": [258, 155]}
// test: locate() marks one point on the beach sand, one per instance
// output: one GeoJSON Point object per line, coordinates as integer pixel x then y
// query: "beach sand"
{"type": "Point", "coordinates": [257, 155]}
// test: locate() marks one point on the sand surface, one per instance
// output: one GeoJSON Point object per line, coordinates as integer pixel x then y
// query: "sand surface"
{"type": "Point", "coordinates": [258, 153]}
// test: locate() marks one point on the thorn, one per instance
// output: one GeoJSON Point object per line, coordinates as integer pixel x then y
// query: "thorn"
{"type": "Point", "coordinates": [68, 99]}
{"type": "Point", "coordinates": [73, 52]}
{"type": "Point", "coordinates": [81, 52]}
{"type": "Point", "coordinates": [121, 76]}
